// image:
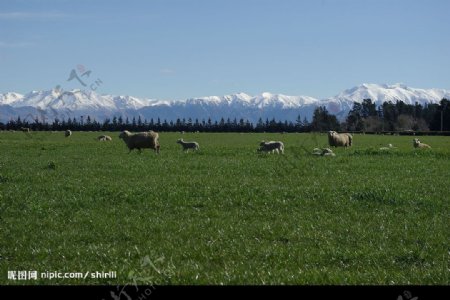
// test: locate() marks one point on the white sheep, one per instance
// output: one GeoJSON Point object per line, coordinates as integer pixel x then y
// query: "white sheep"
{"type": "Point", "coordinates": [389, 147]}
{"type": "Point", "coordinates": [419, 144]}
{"type": "Point", "coordinates": [67, 133]}
{"type": "Point", "coordinates": [339, 139]}
{"type": "Point", "coordinates": [271, 147]}
{"type": "Point", "coordinates": [104, 138]}
{"type": "Point", "coordinates": [323, 152]}
{"type": "Point", "coordinates": [188, 145]}
{"type": "Point", "coordinates": [25, 129]}
{"type": "Point", "coordinates": [141, 140]}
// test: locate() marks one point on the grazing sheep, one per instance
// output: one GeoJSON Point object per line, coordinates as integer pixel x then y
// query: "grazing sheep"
{"type": "Point", "coordinates": [188, 145]}
{"type": "Point", "coordinates": [68, 133]}
{"type": "Point", "coordinates": [419, 144]}
{"type": "Point", "coordinates": [339, 139]}
{"type": "Point", "coordinates": [141, 140]}
{"type": "Point", "coordinates": [323, 152]}
{"type": "Point", "coordinates": [104, 138]}
{"type": "Point", "coordinates": [25, 129]}
{"type": "Point", "coordinates": [271, 147]}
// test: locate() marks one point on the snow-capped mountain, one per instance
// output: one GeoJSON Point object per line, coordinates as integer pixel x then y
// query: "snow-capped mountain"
{"type": "Point", "coordinates": [397, 92]}
{"type": "Point", "coordinates": [59, 104]}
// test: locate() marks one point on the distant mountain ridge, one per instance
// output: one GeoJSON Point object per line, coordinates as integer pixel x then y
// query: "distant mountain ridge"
{"type": "Point", "coordinates": [76, 103]}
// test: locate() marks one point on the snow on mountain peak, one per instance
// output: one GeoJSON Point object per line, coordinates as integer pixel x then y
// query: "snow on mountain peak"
{"type": "Point", "coordinates": [10, 97]}
{"type": "Point", "coordinates": [240, 104]}
{"type": "Point", "coordinates": [396, 92]}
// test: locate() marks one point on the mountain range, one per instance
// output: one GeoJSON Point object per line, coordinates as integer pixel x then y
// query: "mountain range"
{"type": "Point", "coordinates": [51, 104]}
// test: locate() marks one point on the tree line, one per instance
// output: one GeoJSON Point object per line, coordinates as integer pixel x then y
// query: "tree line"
{"type": "Point", "coordinates": [389, 116]}
{"type": "Point", "coordinates": [364, 116]}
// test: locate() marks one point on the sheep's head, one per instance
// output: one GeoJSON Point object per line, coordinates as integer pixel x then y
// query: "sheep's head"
{"type": "Point", "coordinates": [332, 133]}
{"type": "Point", "coordinates": [416, 142]}
{"type": "Point", "coordinates": [124, 134]}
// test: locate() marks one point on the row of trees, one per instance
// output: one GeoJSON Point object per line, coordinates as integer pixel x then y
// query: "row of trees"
{"type": "Point", "coordinates": [137, 124]}
{"type": "Point", "coordinates": [389, 116]}
{"type": "Point", "coordinates": [399, 116]}
{"type": "Point", "coordinates": [363, 116]}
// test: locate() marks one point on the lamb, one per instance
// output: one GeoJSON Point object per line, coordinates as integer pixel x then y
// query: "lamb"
{"type": "Point", "coordinates": [68, 133]}
{"type": "Point", "coordinates": [25, 129]}
{"type": "Point", "coordinates": [389, 147]}
{"type": "Point", "coordinates": [419, 144]}
{"type": "Point", "coordinates": [323, 152]}
{"type": "Point", "coordinates": [188, 145]}
{"type": "Point", "coordinates": [339, 139]}
{"type": "Point", "coordinates": [104, 138]}
{"type": "Point", "coordinates": [141, 140]}
{"type": "Point", "coordinates": [271, 147]}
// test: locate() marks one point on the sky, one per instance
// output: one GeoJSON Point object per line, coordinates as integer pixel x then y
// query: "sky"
{"type": "Point", "coordinates": [178, 49]}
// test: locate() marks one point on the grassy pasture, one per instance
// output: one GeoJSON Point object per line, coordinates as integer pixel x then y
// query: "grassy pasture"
{"type": "Point", "coordinates": [225, 214]}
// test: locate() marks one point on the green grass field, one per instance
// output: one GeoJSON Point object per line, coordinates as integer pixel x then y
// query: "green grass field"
{"type": "Point", "coordinates": [226, 214]}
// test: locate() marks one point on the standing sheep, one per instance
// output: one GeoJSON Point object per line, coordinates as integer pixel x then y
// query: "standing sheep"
{"type": "Point", "coordinates": [67, 133]}
{"type": "Point", "coordinates": [141, 140]}
{"type": "Point", "coordinates": [339, 139]}
{"type": "Point", "coordinates": [418, 144]}
{"type": "Point", "coordinates": [271, 147]}
{"type": "Point", "coordinates": [188, 145]}
{"type": "Point", "coordinates": [25, 129]}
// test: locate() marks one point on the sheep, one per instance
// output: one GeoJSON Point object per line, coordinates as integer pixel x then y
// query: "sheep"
{"type": "Point", "coordinates": [317, 151]}
{"type": "Point", "coordinates": [389, 147]}
{"type": "Point", "coordinates": [419, 144]}
{"type": "Point", "coordinates": [188, 145]}
{"type": "Point", "coordinates": [339, 139]}
{"type": "Point", "coordinates": [104, 138]}
{"type": "Point", "coordinates": [323, 152]}
{"type": "Point", "coordinates": [141, 140]}
{"type": "Point", "coordinates": [271, 147]}
{"type": "Point", "coordinates": [25, 129]}
{"type": "Point", "coordinates": [68, 133]}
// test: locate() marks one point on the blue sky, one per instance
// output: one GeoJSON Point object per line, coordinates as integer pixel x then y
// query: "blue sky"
{"type": "Point", "coordinates": [176, 49]}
